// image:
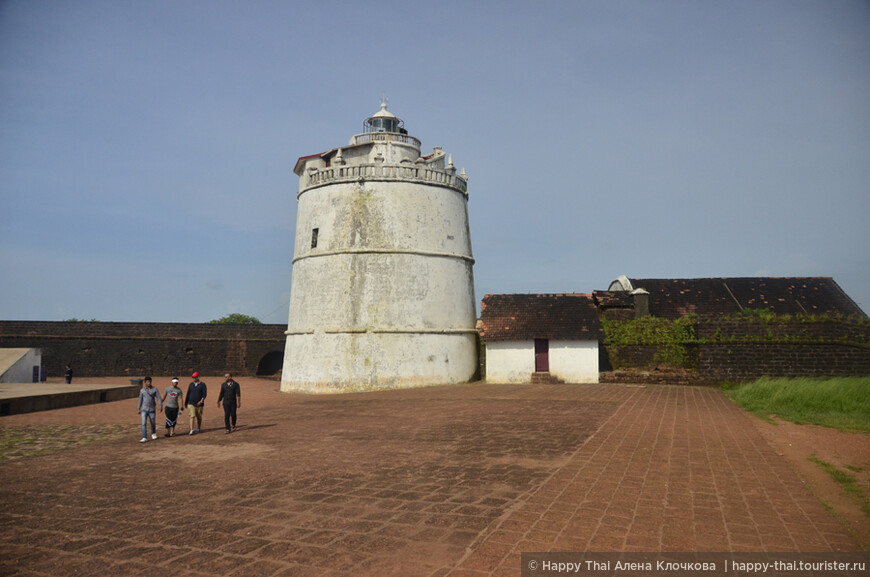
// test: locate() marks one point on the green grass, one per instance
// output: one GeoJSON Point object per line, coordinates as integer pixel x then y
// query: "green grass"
{"type": "Point", "coordinates": [847, 481]}
{"type": "Point", "coordinates": [840, 403]}
{"type": "Point", "coordinates": [30, 441]}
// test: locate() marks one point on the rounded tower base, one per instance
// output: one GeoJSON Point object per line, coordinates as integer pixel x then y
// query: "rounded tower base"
{"type": "Point", "coordinates": [347, 362]}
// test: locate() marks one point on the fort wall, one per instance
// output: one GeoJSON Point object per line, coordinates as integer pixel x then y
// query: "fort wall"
{"type": "Point", "coordinates": [743, 350]}
{"type": "Point", "coordinates": [137, 349]}
{"type": "Point", "coordinates": [723, 350]}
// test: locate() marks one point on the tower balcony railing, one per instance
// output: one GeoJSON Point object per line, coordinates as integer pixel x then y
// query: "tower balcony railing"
{"type": "Point", "coordinates": [383, 172]}
{"type": "Point", "coordinates": [385, 137]}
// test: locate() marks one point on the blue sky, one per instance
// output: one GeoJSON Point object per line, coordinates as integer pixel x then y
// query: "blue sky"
{"type": "Point", "coordinates": [147, 147]}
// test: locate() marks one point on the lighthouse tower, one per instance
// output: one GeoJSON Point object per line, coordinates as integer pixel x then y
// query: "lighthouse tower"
{"type": "Point", "coordinates": [382, 289]}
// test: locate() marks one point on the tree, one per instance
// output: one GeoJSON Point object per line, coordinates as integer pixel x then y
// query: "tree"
{"type": "Point", "coordinates": [236, 319]}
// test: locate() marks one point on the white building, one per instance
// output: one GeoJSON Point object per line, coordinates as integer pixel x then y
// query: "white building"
{"type": "Point", "coordinates": [382, 288]}
{"type": "Point", "coordinates": [540, 338]}
{"type": "Point", "coordinates": [20, 365]}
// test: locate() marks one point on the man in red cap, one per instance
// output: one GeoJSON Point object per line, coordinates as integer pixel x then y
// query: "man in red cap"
{"type": "Point", "coordinates": [195, 401]}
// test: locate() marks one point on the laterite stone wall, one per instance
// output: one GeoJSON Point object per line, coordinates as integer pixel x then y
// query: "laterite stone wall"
{"type": "Point", "coordinates": [746, 362]}
{"type": "Point", "coordinates": [137, 349]}
{"type": "Point", "coordinates": [746, 350]}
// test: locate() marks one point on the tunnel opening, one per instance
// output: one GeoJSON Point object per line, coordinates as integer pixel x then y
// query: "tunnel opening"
{"type": "Point", "coordinates": [271, 364]}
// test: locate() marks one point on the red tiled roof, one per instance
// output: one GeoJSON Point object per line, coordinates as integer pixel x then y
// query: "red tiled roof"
{"type": "Point", "coordinates": [297, 168]}
{"type": "Point", "coordinates": [553, 316]}
{"type": "Point", "coordinates": [674, 298]}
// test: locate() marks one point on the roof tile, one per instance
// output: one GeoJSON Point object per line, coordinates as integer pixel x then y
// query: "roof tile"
{"type": "Point", "coordinates": [727, 296]}
{"type": "Point", "coordinates": [526, 317]}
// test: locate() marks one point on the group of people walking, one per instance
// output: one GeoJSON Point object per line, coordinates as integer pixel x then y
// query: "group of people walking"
{"type": "Point", "coordinates": [150, 401]}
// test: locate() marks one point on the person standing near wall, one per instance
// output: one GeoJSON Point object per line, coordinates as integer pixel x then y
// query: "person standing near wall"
{"type": "Point", "coordinates": [231, 395]}
{"type": "Point", "coordinates": [149, 398]}
{"type": "Point", "coordinates": [68, 374]}
{"type": "Point", "coordinates": [195, 402]}
{"type": "Point", "coordinates": [171, 400]}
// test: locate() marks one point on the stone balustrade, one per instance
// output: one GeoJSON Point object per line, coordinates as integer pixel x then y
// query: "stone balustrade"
{"type": "Point", "coordinates": [315, 178]}
{"type": "Point", "coordinates": [386, 136]}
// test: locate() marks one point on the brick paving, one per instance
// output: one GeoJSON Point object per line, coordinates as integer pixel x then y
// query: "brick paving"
{"type": "Point", "coordinates": [433, 482]}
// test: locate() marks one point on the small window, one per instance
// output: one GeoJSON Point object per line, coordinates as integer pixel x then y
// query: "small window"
{"type": "Point", "coordinates": [314, 232]}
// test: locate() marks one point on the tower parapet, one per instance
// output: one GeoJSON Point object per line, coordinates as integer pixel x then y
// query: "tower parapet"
{"type": "Point", "coordinates": [381, 172]}
{"type": "Point", "coordinates": [382, 286]}
{"type": "Point", "coordinates": [384, 152]}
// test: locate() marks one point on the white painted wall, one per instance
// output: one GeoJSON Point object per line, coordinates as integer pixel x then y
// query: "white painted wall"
{"type": "Point", "coordinates": [386, 298]}
{"type": "Point", "coordinates": [514, 361]}
{"type": "Point", "coordinates": [345, 362]}
{"type": "Point", "coordinates": [574, 361]}
{"type": "Point", "coordinates": [360, 292]}
{"type": "Point", "coordinates": [510, 361]}
{"type": "Point", "coordinates": [16, 365]}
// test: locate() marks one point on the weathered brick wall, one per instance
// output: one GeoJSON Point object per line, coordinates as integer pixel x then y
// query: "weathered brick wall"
{"type": "Point", "coordinates": [746, 350]}
{"type": "Point", "coordinates": [741, 351]}
{"type": "Point", "coordinates": [818, 330]}
{"type": "Point", "coordinates": [137, 349]}
{"type": "Point", "coordinates": [739, 362]}
{"type": "Point", "coordinates": [626, 357]}
{"type": "Point", "coordinates": [615, 357]}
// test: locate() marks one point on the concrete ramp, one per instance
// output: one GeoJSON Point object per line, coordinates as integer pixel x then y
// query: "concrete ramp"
{"type": "Point", "coordinates": [30, 397]}
{"type": "Point", "coordinates": [16, 365]}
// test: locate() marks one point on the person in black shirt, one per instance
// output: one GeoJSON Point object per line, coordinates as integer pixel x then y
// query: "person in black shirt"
{"type": "Point", "coordinates": [231, 395]}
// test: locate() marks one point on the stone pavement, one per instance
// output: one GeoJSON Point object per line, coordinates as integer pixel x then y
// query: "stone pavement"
{"type": "Point", "coordinates": [433, 482]}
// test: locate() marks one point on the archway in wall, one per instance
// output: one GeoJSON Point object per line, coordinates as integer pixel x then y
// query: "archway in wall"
{"type": "Point", "coordinates": [271, 363]}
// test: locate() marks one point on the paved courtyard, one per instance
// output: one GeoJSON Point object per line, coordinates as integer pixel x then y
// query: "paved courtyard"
{"type": "Point", "coordinates": [438, 481]}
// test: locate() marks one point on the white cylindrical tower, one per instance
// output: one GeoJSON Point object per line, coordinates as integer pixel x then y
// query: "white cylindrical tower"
{"type": "Point", "coordinates": [382, 289]}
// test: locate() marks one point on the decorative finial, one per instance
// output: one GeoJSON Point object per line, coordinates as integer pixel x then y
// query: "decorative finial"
{"type": "Point", "coordinates": [450, 168]}
{"type": "Point", "coordinates": [384, 100]}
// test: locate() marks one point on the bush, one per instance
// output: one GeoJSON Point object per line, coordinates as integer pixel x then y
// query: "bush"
{"type": "Point", "coordinates": [670, 337]}
{"type": "Point", "coordinates": [236, 319]}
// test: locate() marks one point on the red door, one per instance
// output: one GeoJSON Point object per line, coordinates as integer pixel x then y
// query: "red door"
{"type": "Point", "coordinates": [542, 355]}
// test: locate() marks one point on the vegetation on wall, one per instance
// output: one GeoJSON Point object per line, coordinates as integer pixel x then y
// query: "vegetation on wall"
{"type": "Point", "coordinates": [675, 341]}
{"type": "Point", "coordinates": [768, 316]}
{"type": "Point", "coordinates": [236, 319]}
{"type": "Point", "coordinates": [762, 326]}
{"type": "Point", "coordinates": [670, 337]}
{"type": "Point", "coordinates": [765, 315]}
